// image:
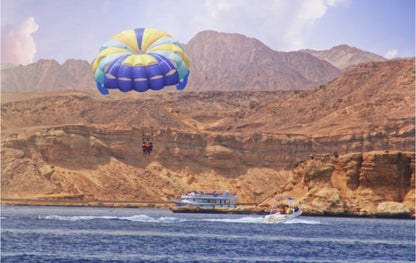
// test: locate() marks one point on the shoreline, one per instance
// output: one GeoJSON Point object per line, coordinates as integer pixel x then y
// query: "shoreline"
{"type": "Point", "coordinates": [249, 210]}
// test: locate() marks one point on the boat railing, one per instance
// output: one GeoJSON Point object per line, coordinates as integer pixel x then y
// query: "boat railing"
{"type": "Point", "coordinates": [210, 192]}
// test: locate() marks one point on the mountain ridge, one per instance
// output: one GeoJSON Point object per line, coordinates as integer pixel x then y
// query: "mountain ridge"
{"type": "Point", "coordinates": [344, 57]}
{"type": "Point", "coordinates": [219, 61]}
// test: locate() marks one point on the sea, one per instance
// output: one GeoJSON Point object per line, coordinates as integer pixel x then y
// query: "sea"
{"type": "Point", "coordinates": [86, 234]}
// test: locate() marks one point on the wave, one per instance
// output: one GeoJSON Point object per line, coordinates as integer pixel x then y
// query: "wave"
{"type": "Point", "coordinates": [169, 219]}
{"type": "Point", "coordinates": [135, 218]}
{"type": "Point", "coordinates": [249, 219]}
{"type": "Point", "coordinates": [303, 221]}
{"type": "Point", "coordinates": [257, 220]}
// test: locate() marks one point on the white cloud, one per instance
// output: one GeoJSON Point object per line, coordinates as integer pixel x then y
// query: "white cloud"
{"type": "Point", "coordinates": [393, 53]}
{"type": "Point", "coordinates": [280, 24]}
{"type": "Point", "coordinates": [17, 44]}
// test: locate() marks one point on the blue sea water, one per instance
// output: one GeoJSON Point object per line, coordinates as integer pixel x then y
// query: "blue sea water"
{"type": "Point", "coordinates": [76, 234]}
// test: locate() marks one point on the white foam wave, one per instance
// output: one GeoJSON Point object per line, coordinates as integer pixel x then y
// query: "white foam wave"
{"type": "Point", "coordinates": [238, 220]}
{"type": "Point", "coordinates": [302, 221]}
{"type": "Point", "coordinates": [138, 218]}
{"type": "Point", "coordinates": [169, 219]}
{"type": "Point", "coordinates": [135, 218]}
{"type": "Point", "coordinates": [145, 218]}
{"type": "Point", "coordinates": [258, 220]}
{"type": "Point", "coordinates": [77, 218]}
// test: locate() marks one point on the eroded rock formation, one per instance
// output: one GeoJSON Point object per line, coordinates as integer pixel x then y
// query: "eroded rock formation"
{"type": "Point", "coordinates": [371, 183]}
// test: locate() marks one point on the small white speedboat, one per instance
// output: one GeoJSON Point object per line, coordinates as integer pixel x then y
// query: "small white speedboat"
{"type": "Point", "coordinates": [284, 214]}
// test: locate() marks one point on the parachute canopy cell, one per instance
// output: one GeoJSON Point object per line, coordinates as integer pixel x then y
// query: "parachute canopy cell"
{"type": "Point", "coordinates": [141, 59]}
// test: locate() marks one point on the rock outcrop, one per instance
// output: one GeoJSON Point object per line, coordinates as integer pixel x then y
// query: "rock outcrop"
{"type": "Point", "coordinates": [360, 184]}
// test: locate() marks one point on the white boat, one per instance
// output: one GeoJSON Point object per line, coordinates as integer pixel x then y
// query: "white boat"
{"type": "Point", "coordinates": [208, 199]}
{"type": "Point", "coordinates": [284, 214]}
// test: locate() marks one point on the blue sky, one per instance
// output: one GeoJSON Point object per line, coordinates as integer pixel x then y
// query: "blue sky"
{"type": "Point", "coordinates": [60, 30]}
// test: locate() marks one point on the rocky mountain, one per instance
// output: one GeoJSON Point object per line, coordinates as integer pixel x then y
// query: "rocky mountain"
{"type": "Point", "coordinates": [370, 98]}
{"type": "Point", "coordinates": [8, 65]}
{"type": "Point", "coordinates": [219, 61]}
{"type": "Point", "coordinates": [48, 75]}
{"type": "Point", "coordinates": [81, 145]}
{"type": "Point", "coordinates": [223, 61]}
{"type": "Point", "coordinates": [344, 57]}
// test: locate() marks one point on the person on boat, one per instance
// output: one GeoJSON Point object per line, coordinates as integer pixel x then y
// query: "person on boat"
{"type": "Point", "coordinates": [288, 210]}
{"type": "Point", "coordinates": [282, 211]}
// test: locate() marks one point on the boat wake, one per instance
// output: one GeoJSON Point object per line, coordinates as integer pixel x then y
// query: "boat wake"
{"type": "Point", "coordinates": [169, 219]}
{"type": "Point", "coordinates": [260, 220]}
{"type": "Point", "coordinates": [249, 219]}
{"type": "Point", "coordinates": [303, 221]}
{"type": "Point", "coordinates": [134, 218]}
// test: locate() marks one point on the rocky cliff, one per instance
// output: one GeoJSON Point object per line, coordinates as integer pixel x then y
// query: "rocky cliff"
{"type": "Point", "coordinates": [78, 145]}
{"type": "Point", "coordinates": [371, 183]}
{"type": "Point", "coordinates": [105, 163]}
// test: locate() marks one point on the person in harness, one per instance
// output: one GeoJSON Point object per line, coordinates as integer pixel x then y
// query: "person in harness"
{"type": "Point", "coordinates": [147, 145]}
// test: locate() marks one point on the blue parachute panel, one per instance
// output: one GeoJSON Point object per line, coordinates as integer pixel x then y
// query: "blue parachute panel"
{"type": "Point", "coordinates": [139, 36]}
{"type": "Point", "coordinates": [141, 82]}
{"type": "Point", "coordinates": [168, 70]}
{"type": "Point", "coordinates": [110, 80]}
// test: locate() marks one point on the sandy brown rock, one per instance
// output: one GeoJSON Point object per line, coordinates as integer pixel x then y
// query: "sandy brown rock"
{"type": "Point", "coordinates": [392, 208]}
{"type": "Point", "coordinates": [382, 183]}
{"type": "Point", "coordinates": [81, 146]}
{"type": "Point", "coordinates": [344, 57]}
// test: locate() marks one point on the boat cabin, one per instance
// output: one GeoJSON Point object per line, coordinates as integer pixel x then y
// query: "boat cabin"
{"type": "Point", "coordinates": [208, 199]}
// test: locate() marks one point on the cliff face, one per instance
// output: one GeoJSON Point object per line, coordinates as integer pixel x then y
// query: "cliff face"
{"type": "Point", "coordinates": [373, 183]}
{"type": "Point", "coordinates": [78, 145]}
{"type": "Point", "coordinates": [105, 162]}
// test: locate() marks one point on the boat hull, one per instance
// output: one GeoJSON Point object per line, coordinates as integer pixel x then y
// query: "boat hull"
{"type": "Point", "coordinates": [219, 210]}
{"type": "Point", "coordinates": [179, 203]}
{"type": "Point", "coordinates": [279, 218]}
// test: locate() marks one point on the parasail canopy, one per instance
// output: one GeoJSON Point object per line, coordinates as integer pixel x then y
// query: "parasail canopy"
{"type": "Point", "coordinates": [141, 59]}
